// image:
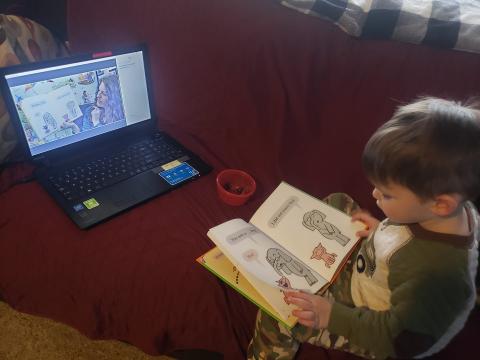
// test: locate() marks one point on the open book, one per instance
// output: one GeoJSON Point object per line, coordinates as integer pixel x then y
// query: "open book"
{"type": "Point", "coordinates": [47, 112]}
{"type": "Point", "coordinates": [293, 241]}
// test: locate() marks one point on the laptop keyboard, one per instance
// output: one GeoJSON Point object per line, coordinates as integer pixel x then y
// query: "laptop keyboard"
{"type": "Point", "coordinates": [81, 180]}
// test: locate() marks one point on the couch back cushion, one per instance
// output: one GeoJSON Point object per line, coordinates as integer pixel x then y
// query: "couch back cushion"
{"type": "Point", "coordinates": [269, 90]}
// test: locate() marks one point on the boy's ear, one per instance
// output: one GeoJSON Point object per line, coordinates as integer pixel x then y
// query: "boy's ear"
{"type": "Point", "coordinates": [446, 204]}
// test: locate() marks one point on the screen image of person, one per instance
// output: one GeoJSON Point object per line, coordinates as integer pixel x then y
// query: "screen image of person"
{"type": "Point", "coordinates": [106, 109]}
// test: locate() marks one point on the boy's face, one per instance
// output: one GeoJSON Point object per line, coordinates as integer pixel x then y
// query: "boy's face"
{"type": "Point", "coordinates": [401, 205]}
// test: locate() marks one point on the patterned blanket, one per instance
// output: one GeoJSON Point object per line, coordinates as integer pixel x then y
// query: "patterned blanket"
{"type": "Point", "coordinates": [21, 41]}
{"type": "Point", "coordinates": [451, 24]}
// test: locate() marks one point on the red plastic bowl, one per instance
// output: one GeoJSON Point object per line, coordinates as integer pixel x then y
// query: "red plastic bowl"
{"type": "Point", "coordinates": [234, 187]}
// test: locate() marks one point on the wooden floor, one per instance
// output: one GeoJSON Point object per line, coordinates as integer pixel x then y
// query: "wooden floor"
{"type": "Point", "coordinates": [27, 337]}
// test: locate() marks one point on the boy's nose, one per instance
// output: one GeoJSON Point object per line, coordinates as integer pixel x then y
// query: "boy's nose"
{"type": "Point", "coordinates": [376, 194]}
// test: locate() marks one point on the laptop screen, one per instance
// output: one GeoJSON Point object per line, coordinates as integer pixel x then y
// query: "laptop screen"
{"type": "Point", "coordinates": [62, 105]}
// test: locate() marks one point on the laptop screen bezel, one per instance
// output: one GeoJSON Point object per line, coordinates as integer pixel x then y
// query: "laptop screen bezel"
{"type": "Point", "coordinates": [71, 151]}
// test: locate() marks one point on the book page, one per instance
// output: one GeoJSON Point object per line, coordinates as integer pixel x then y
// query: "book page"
{"type": "Point", "coordinates": [260, 256]}
{"type": "Point", "coordinates": [216, 262]}
{"type": "Point", "coordinates": [318, 234]}
{"type": "Point", "coordinates": [47, 112]}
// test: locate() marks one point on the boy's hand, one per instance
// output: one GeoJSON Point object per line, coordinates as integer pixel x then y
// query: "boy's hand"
{"type": "Point", "coordinates": [314, 310]}
{"type": "Point", "coordinates": [365, 217]}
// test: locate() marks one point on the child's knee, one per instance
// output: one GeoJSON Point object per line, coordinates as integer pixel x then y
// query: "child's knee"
{"type": "Point", "coordinates": [342, 202]}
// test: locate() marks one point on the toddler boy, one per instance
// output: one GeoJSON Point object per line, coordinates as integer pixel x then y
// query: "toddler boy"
{"type": "Point", "coordinates": [410, 287]}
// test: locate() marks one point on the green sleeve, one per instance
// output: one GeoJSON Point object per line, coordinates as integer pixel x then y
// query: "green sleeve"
{"type": "Point", "coordinates": [429, 286]}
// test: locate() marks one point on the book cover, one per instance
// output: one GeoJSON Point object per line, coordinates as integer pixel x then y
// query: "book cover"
{"type": "Point", "coordinates": [217, 263]}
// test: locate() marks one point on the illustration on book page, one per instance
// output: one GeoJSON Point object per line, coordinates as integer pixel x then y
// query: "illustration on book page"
{"type": "Point", "coordinates": [320, 253]}
{"type": "Point", "coordinates": [253, 251]}
{"type": "Point", "coordinates": [281, 261]}
{"type": "Point", "coordinates": [315, 220]}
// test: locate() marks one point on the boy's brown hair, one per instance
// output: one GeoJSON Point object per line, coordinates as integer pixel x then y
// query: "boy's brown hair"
{"type": "Point", "coordinates": [431, 146]}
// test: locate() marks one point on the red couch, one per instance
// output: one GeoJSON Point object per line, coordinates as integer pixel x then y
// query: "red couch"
{"type": "Point", "coordinates": [246, 84]}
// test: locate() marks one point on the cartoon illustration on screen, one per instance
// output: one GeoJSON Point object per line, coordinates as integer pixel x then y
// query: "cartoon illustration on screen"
{"type": "Point", "coordinates": [49, 123]}
{"type": "Point", "coordinates": [320, 253]}
{"type": "Point", "coordinates": [315, 220]}
{"type": "Point", "coordinates": [60, 107]}
{"type": "Point", "coordinates": [85, 97]}
{"type": "Point", "coordinates": [72, 109]}
{"type": "Point", "coordinates": [280, 261]}
{"type": "Point", "coordinates": [86, 78]}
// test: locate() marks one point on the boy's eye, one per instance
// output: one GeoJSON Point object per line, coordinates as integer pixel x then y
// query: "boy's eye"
{"type": "Point", "coordinates": [386, 197]}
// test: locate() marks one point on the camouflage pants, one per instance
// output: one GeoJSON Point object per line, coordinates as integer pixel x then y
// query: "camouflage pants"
{"type": "Point", "coordinates": [273, 341]}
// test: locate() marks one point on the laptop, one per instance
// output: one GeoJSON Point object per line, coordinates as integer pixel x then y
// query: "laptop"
{"type": "Point", "coordinates": [87, 122]}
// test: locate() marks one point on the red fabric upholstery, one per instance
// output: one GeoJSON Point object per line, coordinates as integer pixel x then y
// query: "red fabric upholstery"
{"type": "Point", "coordinates": [246, 84]}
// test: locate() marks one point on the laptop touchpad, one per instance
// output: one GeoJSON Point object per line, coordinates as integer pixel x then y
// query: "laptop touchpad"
{"type": "Point", "coordinates": [135, 189]}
